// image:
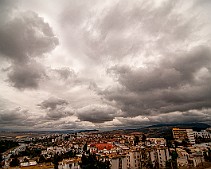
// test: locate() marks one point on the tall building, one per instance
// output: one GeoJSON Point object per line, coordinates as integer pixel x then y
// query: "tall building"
{"type": "Point", "coordinates": [202, 134]}
{"type": "Point", "coordinates": [134, 159]}
{"type": "Point", "coordinates": [118, 162]}
{"type": "Point", "coordinates": [159, 156]}
{"type": "Point", "coordinates": [183, 134]}
{"type": "Point", "coordinates": [190, 135]}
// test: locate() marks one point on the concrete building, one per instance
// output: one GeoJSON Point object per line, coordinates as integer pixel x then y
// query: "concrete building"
{"type": "Point", "coordinates": [19, 149]}
{"type": "Point", "coordinates": [183, 134]}
{"type": "Point", "coordinates": [118, 162]}
{"type": "Point", "coordinates": [134, 159]}
{"type": "Point", "coordinates": [156, 142]}
{"type": "Point", "coordinates": [202, 134]}
{"type": "Point", "coordinates": [159, 157]}
{"type": "Point", "coordinates": [190, 136]}
{"type": "Point", "coordinates": [30, 163]}
{"type": "Point", "coordinates": [69, 164]}
{"type": "Point", "coordinates": [182, 159]}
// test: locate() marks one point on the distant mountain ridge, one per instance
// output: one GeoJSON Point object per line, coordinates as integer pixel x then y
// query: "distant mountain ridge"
{"type": "Point", "coordinates": [165, 129]}
{"type": "Point", "coordinates": [194, 126]}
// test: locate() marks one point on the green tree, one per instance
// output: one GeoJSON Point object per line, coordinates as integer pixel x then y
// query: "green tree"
{"type": "Point", "coordinates": [169, 144]}
{"type": "Point", "coordinates": [185, 142]}
{"type": "Point", "coordinates": [56, 160]}
{"type": "Point", "coordinates": [42, 159]}
{"type": "Point", "coordinates": [1, 160]}
{"type": "Point", "coordinates": [144, 137]}
{"type": "Point", "coordinates": [136, 140]}
{"type": "Point", "coordinates": [7, 144]}
{"type": "Point", "coordinates": [209, 154]}
{"type": "Point", "coordinates": [91, 162]}
{"type": "Point", "coordinates": [85, 147]}
{"type": "Point", "coordinates": [68, 154]}
{"type": "Point", "coordinates": [168, 164]}
{"type": "Point", "coordinates": [84, 160]}
{"type": "Point", "coordinates": [174, 156]}
{"type": "Point", "coordinates": [25, 160]}
{"type": "Point", "coordinates": [206, 158]}
{"type": "Point", "coordinates": [15, 162]}
{"type": "Point", "coordinates": [150, 165]}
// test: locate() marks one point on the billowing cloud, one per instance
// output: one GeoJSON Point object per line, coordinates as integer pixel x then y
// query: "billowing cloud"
{"type": "Point", "coordinates": [202, 115]}
{"type": "Point", "coordinates": [52, 103]}
{"type": "Point", "coordinates": [15, 118]}
{"type": "Point", "coordinates": [175, 84]}
{"type": "Point", "coordinates": [27, 76]}
{"type": "Point", "coordinates": [171, 72]}
{"type": "Point", "coordinates": [23, 38]}
{"type": "Point", "coordinates": [97, 113]}
{"type": "Point", "coordinates": [56, 108]}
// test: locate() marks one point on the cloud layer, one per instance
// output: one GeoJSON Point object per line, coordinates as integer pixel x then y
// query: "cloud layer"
{"type": "Point", "coordinates": [104, 64]}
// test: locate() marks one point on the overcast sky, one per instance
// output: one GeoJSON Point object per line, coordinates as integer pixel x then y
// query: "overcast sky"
{"type": "Point", "coordinates": [85, 64]}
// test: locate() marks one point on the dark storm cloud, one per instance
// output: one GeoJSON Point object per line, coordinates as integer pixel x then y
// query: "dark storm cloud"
{"type": "Point", "coordinates": [56, 108]}
{"type": "Point", "coordinates": [134, 121]}
{"type": "Point", "coordinates": [69, 125]}
{"type": "Point", "coordinates": [172, 72]}
{"type": "Point", "coordinates": [27, 76]}
{"type": "Point", "coordinates": [96, 113]}
{"type": "Point", "coordinates": [52, 103]}
{"type": "Point", "coordinates": [15, 117]}
{"type": "Point", "coordinates": [177, 83]}
{"type": "Point", "coordinates": [179, 117]}
{"type": "Point", "coordinates": [24, 37]}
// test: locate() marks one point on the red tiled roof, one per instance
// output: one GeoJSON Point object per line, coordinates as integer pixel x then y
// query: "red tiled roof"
{"type": "Point", "coordinates": [101, 146]}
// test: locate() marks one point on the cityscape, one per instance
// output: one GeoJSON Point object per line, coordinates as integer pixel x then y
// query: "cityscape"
{"type": "Point", "coordinates": [117, 149]}
{"type": "Point", "coordinates": [113, 84]}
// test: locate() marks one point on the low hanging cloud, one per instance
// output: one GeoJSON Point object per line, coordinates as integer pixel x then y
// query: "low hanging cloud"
{"type": "Point", "coordinates": [97, 113]}
{"type": "Point", "coordinates": [202, 115]}
{"type": "Point", "coordinates": [15, 118]}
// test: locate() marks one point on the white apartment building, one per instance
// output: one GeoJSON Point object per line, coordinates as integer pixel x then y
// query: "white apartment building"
{"type": "Point", "coordinates": [118, 162]}
{"type": "Point", "coordinates": [19, 149]}
{"type": "Point", "coordinates": [69, 164]}
{"type": "Point", "coordinates": [182, 134]}
{"type": "Point", "coordinates": [156, 142]}
{"type": "Point", "coordinates": [202, 134]}
{"type": "Point", "coordinates": [134, 159]}
{"type": "Point", "coordinates": [190, 136]}
{"type": "Point", "coordinates": [182, 159]}
{"type": "Point", "coordinates": [159, 156]}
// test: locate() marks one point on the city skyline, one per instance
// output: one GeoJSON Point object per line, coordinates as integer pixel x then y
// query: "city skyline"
{"type": "Point", "coordinates": [93, 64]}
